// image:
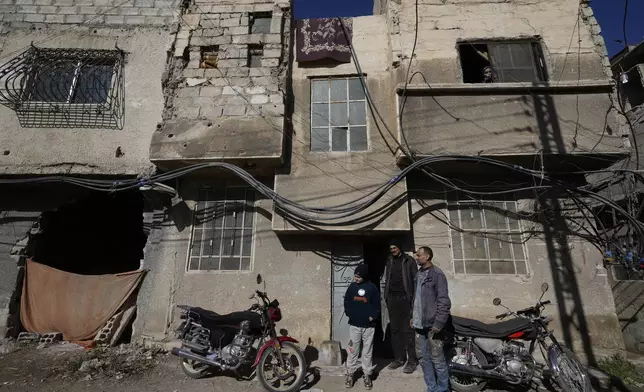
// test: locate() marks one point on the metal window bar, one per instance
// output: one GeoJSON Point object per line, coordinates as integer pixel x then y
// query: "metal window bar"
{"type": "Point", "coordinates": [330, 126]}
{"type": "Point", "coordinates": [65, 88]}
{"type": "Point", "coordinates": [507, 231]}
{"type": "Point", "coordinates": [507, 50]}
{"type": "Point", "coordinates": [217, 211]}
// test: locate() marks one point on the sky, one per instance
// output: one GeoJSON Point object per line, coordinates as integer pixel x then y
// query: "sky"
{"type": "Point", "coordinates": [609, 13]}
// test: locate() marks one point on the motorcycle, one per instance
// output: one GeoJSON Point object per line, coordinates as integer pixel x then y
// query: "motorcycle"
{"type": "Point", "coordinates": [239, 341]}
{"type": "Point", "coordinates": [504, 351]}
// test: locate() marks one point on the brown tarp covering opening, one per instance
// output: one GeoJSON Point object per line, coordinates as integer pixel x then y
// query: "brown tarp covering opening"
{"type": "Point", "coordinates": [76, 305]}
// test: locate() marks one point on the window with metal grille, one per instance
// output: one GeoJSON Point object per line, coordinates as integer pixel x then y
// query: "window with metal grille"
{"type": "Point", "coordinates": [510, 61]}
{"type": "Point", "coordinates": [338, 115]}
{"type": "Point", "coordinates": [65, 88]}
{"type": "Point", "coordinates": [255, 54]}
{"type": "Point", "coordinates": [489, 241]}
{"type": "Point", "coordinates": [260, 22]}
{"type": "Point", "coordinates": [222, 231]}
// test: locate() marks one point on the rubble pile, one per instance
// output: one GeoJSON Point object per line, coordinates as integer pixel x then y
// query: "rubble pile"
{"type": "Point", "coordinates": [117, 362]}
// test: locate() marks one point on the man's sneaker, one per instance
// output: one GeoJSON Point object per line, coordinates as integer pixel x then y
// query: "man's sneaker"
{"type": "Point", "coordinates": [410, 367]}
{"type": "Point", "coordinates": [348, 381]}
{"type": "Point", "coordinates": [367, 382]}
{"type": "Point", "coordinates": [395, 365]}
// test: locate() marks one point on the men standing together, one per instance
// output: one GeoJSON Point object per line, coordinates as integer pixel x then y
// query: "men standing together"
{"type": "Point", "coordinates": [399, 275]}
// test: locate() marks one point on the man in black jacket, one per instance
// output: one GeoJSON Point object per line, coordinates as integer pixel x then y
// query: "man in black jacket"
{"type": "Point", "coordinates": [398, 277]}
{"type": "Point", "coordinates": [362, 307]}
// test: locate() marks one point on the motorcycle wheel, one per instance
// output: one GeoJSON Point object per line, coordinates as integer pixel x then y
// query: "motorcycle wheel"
{"type": "Point", "coordinates": [463, 383]}
{"type": "Point", "coordinates": [268, 359]}
{"type": "Point", "coordinates": [192, 369]}
{"type": "Point", "coordinates": [572, 376]}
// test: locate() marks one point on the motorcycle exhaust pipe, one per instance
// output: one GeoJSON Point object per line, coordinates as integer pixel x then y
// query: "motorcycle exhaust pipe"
{"type": "Point", "coordinates": [473, 371]}
{"type": "Point", "coordinates": [192, 356]}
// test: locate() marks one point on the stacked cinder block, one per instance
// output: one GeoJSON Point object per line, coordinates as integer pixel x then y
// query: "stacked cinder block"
{"type": "Point", "coordinates": [237, 55]}
{"type": "Point", "coordinates": [107, 332]}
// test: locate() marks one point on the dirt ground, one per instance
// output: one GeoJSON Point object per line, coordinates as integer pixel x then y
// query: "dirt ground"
{"type": "Point", "coordinates": [70, 368]}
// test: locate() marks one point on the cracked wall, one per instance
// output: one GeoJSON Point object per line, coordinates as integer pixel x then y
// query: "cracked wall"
{"type": "Point", "coordinates": [225, 92]}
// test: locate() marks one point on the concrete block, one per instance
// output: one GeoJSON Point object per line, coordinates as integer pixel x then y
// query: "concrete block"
{"type": "Point", "coordinates": [24, 2]}
{"type": "Point", "coordinates": [238, 81]}
{"type": "Point", "coordinates": [270, 62]}
{"type": "Point", "coordinates": [55, 19]}
{"type": "Point", "coordinates": [232, 90]}
{"type": "Point", "coordinates": [272, 39]}
{"type": "Point", "coordinates": [207, 41]}
{"type": "Point", "coordinates": [51, 337]}
{"type": "Point", "coordinates": [234, 111]}
{"type": "Point", "coordinates": [273, 109]}
{"type": "Point", "coordinates": [95, 20]}
{"type": "Point", "coordinates": [272, 53]}
{"type": "Point", "coordinates": [244, 8]}
{"type": "Point", "coordinates": [216, 79]}
{"type": "Point", "coordinates": [155, 20]}
{"type": "Point", "coordinates": [131, 11]}
{"type": "Point", "coordinates": [259, 99]}
{"type": "Point", "coordinates": [67, 10]}
{"type": "Point", "coordinates": [222, 8]}
{"type": "Point", "coordinates": [265, 7]}
{"type": "Point", "coordinates": [186, 112]}
{"type": "Point", "coordinates": [276, 24]}
{"type": "Point", "coordinates": [134, 20]}
{"type": "Point", "coordinates": [144, 3]}
{"type": "Point", "coordinates": [74, 18]}
{"type": "Point", "coordinates": [210, 91]}
{"type": "Point", "coordinates": [44, 2]}
{"type": "Point", "coordinates": [112, 19]}
{"type": "Point", "coordinates": [236, 72]}
{"type": "Point", "coordinates": [276, 98]}
{"type": "Point", "coordinates": [89, 10]}
{"type": "Point", "coordinates": [35, 18]}
{"type": "Point", "coordinates": [212, 32]}
{"type": "Point", "coordinates": [239, 30]}
{"type": "Point", "coordinates": [232, 22]}
{"type": "Point", "coordinates": [234, 63]}
{"type": "Point", "coordinates": [14, 18]}
{"type": "Point", "coordinates": [255, 90]}
{"type": "Point", "coordinates": [264, 81]}
{"type": "Point", "coordinates": [330, 353]}
{"type": "Point", "coordinates": [27, 337]}
{"type": "Point", "coordinates": [258, 72]}
{"type": "Point", "coordinates": [47, 9]}
{"type": "Point", "coordinates": [211, 111]}
{"type": "Point", "coordinates": [113, 11]}
{"type": "Point", "coordinates": [28, 9]}
{"type": "Point", "coordinates": [193, 73]}
{"type": "Point", "coordinates": [192, 20]}
{"type": "Point", "coordinates": [126, 320]}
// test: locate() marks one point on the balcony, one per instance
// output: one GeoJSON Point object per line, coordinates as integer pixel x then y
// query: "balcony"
{"type": "Point", "coordinates": [565, 123]}
{"type": "Point", "coordinates": [244, 141]}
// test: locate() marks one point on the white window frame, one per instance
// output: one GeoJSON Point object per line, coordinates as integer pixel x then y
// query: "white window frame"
{"type": "Point", "coordinates": [485, 233]}
{"type": "Point", "coordinates": [330, 126]}
{"type": "Point", "coordinates": [250, 203]}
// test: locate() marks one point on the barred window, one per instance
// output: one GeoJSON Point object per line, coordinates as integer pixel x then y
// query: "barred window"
{"type": "Point", "coordinates": [338, 115]}
{"type": "Point", "coordinates": [489, 241]}
{"type": "Point", "coordinates": [222, 237]}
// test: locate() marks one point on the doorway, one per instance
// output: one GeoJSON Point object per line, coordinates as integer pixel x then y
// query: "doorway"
{"type": "Point", "coordinates": [373, 251]}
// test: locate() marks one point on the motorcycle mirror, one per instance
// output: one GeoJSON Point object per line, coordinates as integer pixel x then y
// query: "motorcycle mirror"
{"type": "Point", "coordinates": [496, 301]}
{"type": "Point", "coordinates": [259, 278]}
{"type": "Point", "coordinates": [544, 287]}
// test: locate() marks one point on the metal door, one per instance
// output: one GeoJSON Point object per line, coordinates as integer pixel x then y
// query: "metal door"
{"type": "Point", "coordinates": [344, 265]}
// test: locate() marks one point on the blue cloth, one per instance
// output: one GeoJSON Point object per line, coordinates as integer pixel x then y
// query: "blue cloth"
{"type": "Point", "coordinates": [434, 364]}
{"type": "Point", "coordinates": [417, 316]}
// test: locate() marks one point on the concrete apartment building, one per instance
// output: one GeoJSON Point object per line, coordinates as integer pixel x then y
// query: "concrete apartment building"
{"type": "Point", "coordinates": [242, 85]}
{"type": "Point", "coordinates": [547, 109]}
{"type": "Point", "coordinates": [81, 96]}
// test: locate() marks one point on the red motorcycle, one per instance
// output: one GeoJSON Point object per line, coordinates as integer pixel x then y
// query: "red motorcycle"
{"type": "Point", "coordinates": [239, 341]}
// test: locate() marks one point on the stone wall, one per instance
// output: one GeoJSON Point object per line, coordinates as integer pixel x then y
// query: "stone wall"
{"type": "Point", "coordinates": [213, 81]}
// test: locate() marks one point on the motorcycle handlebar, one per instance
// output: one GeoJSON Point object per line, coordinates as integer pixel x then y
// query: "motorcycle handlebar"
{"type": "Point", "coordinates": [503, 315]}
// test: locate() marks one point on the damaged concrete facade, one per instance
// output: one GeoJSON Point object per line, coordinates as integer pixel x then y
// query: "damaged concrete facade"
{"type": "Point", "coordinates": [552, 121]}
{"type": "Point", "coordinates": [88, 111]}
{"type": "Point", "coordinates": [231, 91]}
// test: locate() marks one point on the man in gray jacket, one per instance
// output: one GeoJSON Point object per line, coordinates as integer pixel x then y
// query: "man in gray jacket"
{"type": "Point", "coordinates": [399, 293]}
{"type": "Point", "coordinates": [430, 314]}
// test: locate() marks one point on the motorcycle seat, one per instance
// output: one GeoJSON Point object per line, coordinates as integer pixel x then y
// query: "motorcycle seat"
{"type": "Point", "coordinates": [474, 328]}
{"type": "Point", "coordinates": [210, 319]}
